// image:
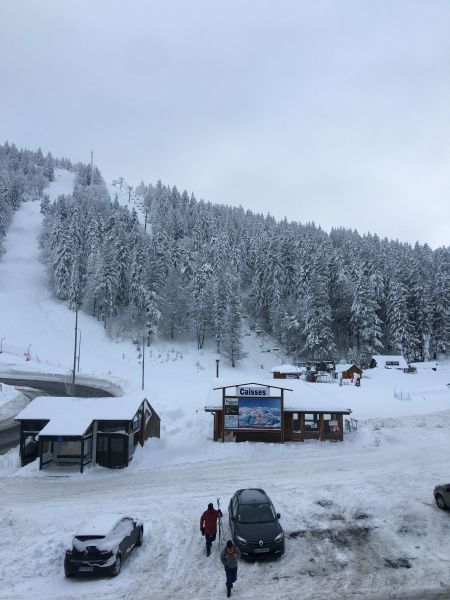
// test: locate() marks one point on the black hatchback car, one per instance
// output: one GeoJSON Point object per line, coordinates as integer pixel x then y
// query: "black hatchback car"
{"type": "Point", "coordinates": [101, 545]}
{"type": "Point", "coordinates": [254, 524]}
{"type": "Point", "coordinates": [441, 495]}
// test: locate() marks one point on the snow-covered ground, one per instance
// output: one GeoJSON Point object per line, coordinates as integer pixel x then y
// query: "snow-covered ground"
{"type": "Point", "coordinates": [359, 516]}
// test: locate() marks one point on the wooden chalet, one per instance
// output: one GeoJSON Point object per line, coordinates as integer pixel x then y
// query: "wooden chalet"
{"type": "Point", "coordinates": [263, 412]}
{"type": "Point", "coordinates": [348, 371]}
{"type": "Point", "coordinates": [72, 431]}
{"type": "Point", "coordinates": [287, 372]}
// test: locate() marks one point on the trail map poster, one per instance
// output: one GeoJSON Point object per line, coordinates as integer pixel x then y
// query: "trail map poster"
{"type": "Point", "coordinates": [259, 413]}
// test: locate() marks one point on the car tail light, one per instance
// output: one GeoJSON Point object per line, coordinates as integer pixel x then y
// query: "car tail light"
{"type": "Point", "coordinates": [68, 552]}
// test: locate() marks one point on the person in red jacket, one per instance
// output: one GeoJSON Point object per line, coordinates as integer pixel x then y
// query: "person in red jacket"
{"type": "Point", "coordinates": [208, 525]}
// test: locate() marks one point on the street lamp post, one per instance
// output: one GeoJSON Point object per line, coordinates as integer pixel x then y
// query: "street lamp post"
{"type": "Point", "coordinates": [79, 350]}
{"type": "Point", "coordinates": [1, 344]}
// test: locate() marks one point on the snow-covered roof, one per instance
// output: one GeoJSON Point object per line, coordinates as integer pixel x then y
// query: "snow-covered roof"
{"type": "Point", "coordinates": [382, 359]}
{"type": "Point", "coordinates": [99, 525]}
{"type": "Point", "coordinates": [72, 416]}
{"type": "Point", "coordinates": [255, 381]}
{"type": "Point", "coordinates": [426, 365]}
{"type": "Point", "coordinates": [287, 369]}
{"type": "Point", "coordinates": [341, 367]}
{"type": "Point", "coordinates": [302, 397]}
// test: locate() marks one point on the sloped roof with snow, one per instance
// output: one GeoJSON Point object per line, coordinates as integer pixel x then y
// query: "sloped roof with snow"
{"type": "Point", "coordinates": [341, 367]}
{"type": "Point", "coordinates": [69, 416]}
{"type": "Point", "coordinates": [382, 359]}
{"type": "Point", "coordinates": [302, 397]}
{"type": "Point", "coordinates": [287, 369]}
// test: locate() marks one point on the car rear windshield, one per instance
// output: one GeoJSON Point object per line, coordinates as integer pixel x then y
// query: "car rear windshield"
{"type": "Point", "coordinates": [256, 513]}
{"type": "Point", "coordinates": [85, 538]}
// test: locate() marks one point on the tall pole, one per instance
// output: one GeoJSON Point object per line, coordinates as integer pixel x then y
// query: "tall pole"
{"type": "Point", "coordinates": [143, 360]}
{"type": "Point", "coordinates": [75, 350]}
{"type": "Point", "coordinates": [79, 350]}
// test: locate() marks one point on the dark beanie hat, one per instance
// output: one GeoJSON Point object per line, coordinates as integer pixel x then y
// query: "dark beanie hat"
{"type": "Point", "coordinates": [210, 506]}
{"type": "Point", "coordinates": [229, 544]}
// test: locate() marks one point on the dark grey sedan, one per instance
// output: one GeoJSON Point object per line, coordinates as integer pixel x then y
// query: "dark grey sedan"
{"type": "Point", "coordinates": [254, 524]}
{"type": "Point", "coordinates": [442, 496]}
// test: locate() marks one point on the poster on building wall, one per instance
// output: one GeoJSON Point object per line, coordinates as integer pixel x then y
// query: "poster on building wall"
{"type": "Point", "coordinates": [334, 426]}
{"type": "Point", "coordinates": [231, 413]}
{"type": "Point", "coordinates": [259, 413]}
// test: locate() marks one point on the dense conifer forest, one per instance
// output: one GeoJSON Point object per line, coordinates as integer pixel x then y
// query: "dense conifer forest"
{"type": "Point", "coordinates": [198, 269]}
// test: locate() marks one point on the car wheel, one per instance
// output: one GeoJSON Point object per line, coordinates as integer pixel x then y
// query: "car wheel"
{"type": "Point", "coordinates": [441, 502]}
{"type": "Point", "coordinates": [141, 536]}
{"type": "Point", "coordinates": [117, 566]}
{"type": "Point", "coordinates": [68, 574]}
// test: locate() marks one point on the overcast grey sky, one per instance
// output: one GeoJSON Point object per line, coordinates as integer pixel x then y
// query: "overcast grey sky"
{"type": "Point", "coordinates": [333, 111]}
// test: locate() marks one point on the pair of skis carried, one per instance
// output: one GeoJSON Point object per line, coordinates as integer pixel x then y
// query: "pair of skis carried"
{"type": "Point", "coordinates": [220, 527]}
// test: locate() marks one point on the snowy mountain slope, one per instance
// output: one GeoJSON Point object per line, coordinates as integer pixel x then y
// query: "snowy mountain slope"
{"type": "Point", "coordinates": [359, 516]}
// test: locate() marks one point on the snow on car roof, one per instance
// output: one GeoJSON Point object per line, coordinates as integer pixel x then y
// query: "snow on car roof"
{"type": "Point", "coordinates": [72, 416]}
{"type": "Point", "coordinates": [99, 525]}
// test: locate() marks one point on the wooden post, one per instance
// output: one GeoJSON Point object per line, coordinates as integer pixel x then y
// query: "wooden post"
{"type": "Point", "coordinates": [40, 455]}
{"type": "Point", "coordinates": [223, 415]}
{"type": "Point", "coordinates": [282, 415]}
{"type": "Point", "coordinates": [82, 455]}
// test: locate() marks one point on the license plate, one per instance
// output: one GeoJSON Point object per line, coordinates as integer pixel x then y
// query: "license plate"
{"type": "Point", "coordinates": [261, 550]}
{"type": "Point", "coordinates": [85, 569]}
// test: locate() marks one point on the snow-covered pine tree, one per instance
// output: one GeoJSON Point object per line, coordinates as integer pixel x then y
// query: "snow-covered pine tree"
{"type": "Point", "coordinates": [365, 321]}
{"type": "Point", "coordinates": [232, 337]}
{"type": "Point", "coordinates": [399, 327]}
{"type": "Point", "coordinates": [319, 342]}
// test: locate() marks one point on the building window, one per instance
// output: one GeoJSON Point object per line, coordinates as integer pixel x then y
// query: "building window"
{"type": "Point", "coordinates": [331, 423]}
{"type": "Point", "coordinates": [102, 444]}
{"type": "Point", "coordinates": [296, 423]}
{"type": "Point", "coordinates": [311, 422]}
{"type": "Point", "coordinates": [117, 444]}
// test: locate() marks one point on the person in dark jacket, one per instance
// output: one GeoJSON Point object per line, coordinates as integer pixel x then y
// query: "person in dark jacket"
{"type": "Point", "coordinates": [208, 525]}
{"type": "Point", "coordinates": [229, 558]}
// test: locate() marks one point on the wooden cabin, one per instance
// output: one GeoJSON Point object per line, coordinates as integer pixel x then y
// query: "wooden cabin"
{"type": "Point", "coordinates": [348, 371]}
{"type": "Point", "coordinates": [262, 412]}
{"type": "Point", "coordinates": [287, 372]}
{"type": "Point", "coordinates": [68, 431]}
